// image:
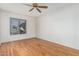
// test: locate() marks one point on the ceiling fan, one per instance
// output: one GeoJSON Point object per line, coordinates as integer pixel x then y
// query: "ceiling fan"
{"type": "Point", "coordinates": [36, 6]}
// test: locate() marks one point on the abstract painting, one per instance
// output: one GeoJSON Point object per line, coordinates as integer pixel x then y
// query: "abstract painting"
{"type": "Point", "coordinates": [17, 26]}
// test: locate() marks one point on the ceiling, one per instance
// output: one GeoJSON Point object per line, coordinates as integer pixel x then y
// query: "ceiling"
{"type": "Point", "coordinates": [20, 8]}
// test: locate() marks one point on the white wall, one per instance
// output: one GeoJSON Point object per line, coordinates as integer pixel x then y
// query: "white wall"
{"type": "Point", "coordinates": [5, 26]}
{"type": "Point", "coordinates": [0, 28]}
{"type": "Point", "coordinates": [61, 26]}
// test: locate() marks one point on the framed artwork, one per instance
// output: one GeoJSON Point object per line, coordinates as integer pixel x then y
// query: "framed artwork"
{"type": "Point", "coordinates": [17, 26]}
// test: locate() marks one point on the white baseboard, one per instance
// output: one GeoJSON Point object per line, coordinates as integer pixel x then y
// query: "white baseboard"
{"type": "Point", "coordinates": [59, 43]}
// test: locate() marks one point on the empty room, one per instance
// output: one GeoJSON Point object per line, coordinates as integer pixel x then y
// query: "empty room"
{"type": "Point", "coordinates": [39, 29]}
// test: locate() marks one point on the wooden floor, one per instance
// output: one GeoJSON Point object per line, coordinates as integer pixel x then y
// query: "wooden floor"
{"type": "Point", "coordinates": [36, 47]}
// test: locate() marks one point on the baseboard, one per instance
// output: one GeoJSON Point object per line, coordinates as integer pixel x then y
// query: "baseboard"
{"type": "Point", "coordinates": [58, 43]}
{"type": "Point", "coordinates": [41, 39]}
{"type": "Point", "coordinates": [19, 40]}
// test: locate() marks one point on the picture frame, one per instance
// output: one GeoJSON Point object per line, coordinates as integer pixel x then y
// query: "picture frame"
{"type": "Point", "coordinates": [17, 26]}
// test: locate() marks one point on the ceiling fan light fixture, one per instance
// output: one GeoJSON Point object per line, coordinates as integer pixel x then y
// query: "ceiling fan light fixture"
{"type": "Point", "coordinates": [37, 6]}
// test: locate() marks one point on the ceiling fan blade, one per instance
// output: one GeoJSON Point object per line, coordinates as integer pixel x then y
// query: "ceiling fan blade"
{"type": "Point", "coordinates": [31, 9]}
{"type": "Point", "coordinates": [43, 6]}
{"type": "Point", "coordinates": [38, 10]}
{"type": "Point", "coordinates": [28, 5]}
